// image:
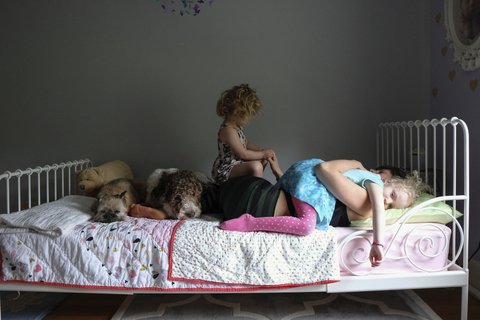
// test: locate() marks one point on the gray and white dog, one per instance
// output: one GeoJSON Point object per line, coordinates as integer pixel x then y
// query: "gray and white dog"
{"type": "Point", "coordinates": [115, 198]}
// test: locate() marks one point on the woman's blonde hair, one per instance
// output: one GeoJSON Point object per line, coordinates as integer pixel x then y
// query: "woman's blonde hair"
{"type": "Point", "coordinates": [241, 98]}
{"type": "Point", "coordinates": [412, 184]}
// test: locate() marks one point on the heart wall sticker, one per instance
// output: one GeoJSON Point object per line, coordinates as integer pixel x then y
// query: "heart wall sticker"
{"type": "Point", "coordinates": [473, 84]}
{"type": "Point", "coordinates": [451, 75]}
{"type": "Point", "coordinates": [444, 50]}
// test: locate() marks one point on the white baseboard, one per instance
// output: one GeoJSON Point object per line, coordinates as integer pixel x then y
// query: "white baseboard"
{"type": "Point", "coordinates": [474, 278]}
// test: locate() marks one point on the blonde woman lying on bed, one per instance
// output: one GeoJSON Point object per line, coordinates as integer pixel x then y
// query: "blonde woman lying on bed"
{"type": "Point", "coordinates": [314, 194]}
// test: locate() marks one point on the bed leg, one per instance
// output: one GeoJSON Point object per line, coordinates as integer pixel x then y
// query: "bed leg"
{"type": "Point", "coordinates": [464, 302]}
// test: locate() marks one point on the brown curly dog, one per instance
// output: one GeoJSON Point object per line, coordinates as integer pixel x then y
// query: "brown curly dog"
{"type": "Point", "coordinates": [176, 192]}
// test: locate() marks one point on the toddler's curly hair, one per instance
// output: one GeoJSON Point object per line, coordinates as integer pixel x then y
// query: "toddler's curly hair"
{"type": "Point", "coordinates": [413, 185]}
{"type": "Point", "coordinates": [242, 98]}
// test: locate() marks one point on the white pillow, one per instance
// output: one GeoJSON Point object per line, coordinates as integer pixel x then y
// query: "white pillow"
{"type": "Point", "coordinates": [54, 218]}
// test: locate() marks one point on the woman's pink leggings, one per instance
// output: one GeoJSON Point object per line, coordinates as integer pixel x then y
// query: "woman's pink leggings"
{"type": "Point", "coordinates": [302, 225]}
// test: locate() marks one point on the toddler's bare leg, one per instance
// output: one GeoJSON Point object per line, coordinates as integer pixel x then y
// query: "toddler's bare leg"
{"type": "Point", "coordinates": [250, 168]}
{"type": "Point", "coordinates": [264, 164]}
{"type": "Point", "coordinates": [139, 211]}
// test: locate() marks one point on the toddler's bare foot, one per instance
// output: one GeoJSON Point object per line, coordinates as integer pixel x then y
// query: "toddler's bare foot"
{"type": "Point", "coordinates": [138, 211]}
{"type": "Point", "coordinates": [135, 211]}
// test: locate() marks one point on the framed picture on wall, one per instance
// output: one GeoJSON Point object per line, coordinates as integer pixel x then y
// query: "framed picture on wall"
{"type": "Point", "coordinates": [462, 21]}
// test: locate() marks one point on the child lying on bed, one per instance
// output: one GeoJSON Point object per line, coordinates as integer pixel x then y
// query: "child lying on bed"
{"type": "Point", "coordinates": [314, 194]}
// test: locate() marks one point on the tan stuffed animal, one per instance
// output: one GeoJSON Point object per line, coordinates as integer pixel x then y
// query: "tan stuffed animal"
{"type": "Point", "coordinates": [91, 180]}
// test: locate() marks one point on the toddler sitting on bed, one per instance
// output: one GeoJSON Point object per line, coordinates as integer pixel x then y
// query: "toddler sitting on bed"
{"type": "Point", "coordinates": [236, 155]}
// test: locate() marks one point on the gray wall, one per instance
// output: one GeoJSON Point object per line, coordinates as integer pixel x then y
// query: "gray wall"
{"type": "Point", "coordinates": [117, 79]}
{"type": "Point", "coordinates": [456, 98]}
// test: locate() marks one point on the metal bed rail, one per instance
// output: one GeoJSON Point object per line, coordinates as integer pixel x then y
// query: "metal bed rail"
{"type": "Point", "coordinates": [440, 152]}
{"type": "Point", "coordinates": [52, 182]}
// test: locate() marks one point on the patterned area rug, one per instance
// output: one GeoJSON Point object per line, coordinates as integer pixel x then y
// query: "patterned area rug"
{"type": "Point", "coordinates": [278, 306]}
{"type": "Point", "coordinates": [28, 305]}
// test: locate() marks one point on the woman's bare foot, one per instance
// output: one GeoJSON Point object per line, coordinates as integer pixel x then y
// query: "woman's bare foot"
{"type": "Point", "coordinates": [139, 211]}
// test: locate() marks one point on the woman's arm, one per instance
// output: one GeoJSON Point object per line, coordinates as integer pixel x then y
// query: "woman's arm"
{"type": "Point", "coordinates": [330, 173]}
{"type": "Point", "coordinates": [274, 165]}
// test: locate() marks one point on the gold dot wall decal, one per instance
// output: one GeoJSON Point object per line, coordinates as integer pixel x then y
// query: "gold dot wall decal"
{"type": "Point", "coordinates": [444, 50]}
{"type": "Point", "coordinates": [451, 75]}
{"type": "Point", "coordinates": [434, 92]}
{"type": "Point", "coordinates": [473, 84]}
{"type": "Point", "coordinates": [438, 17]}
{"type": "Point", "coordinates": [184, 7]}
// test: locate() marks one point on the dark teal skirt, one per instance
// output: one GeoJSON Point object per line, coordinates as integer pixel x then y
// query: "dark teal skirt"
{"type": "Point", "coordinates": [247, 194]}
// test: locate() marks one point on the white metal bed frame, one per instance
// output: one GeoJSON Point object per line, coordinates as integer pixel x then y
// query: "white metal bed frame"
{"type": "Point", "coordinates": [63, 185]}
{"type": "Point", "coordinates": [395, 143]}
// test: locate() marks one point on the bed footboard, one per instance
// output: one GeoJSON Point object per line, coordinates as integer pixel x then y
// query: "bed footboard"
{"type": "Point", "coordinates": [29, 187]}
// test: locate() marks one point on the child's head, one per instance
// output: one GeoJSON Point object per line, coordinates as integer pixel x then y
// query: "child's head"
{"type": "Point", "coordinates": [241, 98]}
{"type": "Point", "coordinates": [412, 185]}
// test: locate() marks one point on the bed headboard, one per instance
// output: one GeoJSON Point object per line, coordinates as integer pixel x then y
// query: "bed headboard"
{"type": "Point", "coordinates": [443, 152]}
{"type": "Point", "coordinates": [23, 189]}
{"type": "Point", "coordinates": [439, 150]}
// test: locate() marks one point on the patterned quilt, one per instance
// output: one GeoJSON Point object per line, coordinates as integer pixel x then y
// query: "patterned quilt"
{"type": "Point", "coordinates": [202, 252]}
{"type": "Point", "coordinates": [138, 254]}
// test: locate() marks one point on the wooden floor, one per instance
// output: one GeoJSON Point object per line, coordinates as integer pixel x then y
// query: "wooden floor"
{"type": "Point", "coordinates": [87, 307]}
{"type": "Point", "coordinates": [445, 302]}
